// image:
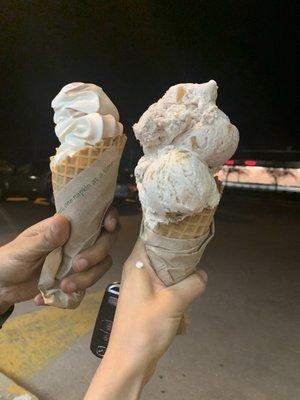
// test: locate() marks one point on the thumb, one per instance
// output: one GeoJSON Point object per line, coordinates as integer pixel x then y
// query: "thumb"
{"type": "Point", "coordinates": [188, 290]}
{"type": "Point", "coordinates": [50, 234]}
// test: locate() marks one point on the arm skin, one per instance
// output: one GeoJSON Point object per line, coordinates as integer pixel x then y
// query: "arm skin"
{"type": "Point", "coordinates": [146, 322]}
{"type": "Point", "coordinates": [21, 260]}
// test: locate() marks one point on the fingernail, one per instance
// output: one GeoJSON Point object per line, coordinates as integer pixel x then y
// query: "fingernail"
{"type": "Point", "coordinates": [203, 275]}
{"type": "Point", "coordinates": [71, 287]}
{"type": "Point", "coordinates": [39, 301]}
{"type": "Point", "coordinates": [81, 264]}
{"type": "Point", "coordinates": [55, 227]}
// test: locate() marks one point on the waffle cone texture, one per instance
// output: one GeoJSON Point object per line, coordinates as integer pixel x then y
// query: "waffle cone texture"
{"type": "Point", "coordinates": [190, 227]}
{"type": "Point", "coordinates": [64, 172]}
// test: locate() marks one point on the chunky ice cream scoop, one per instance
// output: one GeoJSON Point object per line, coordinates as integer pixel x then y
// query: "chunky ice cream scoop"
{"type": "Point", "coordinates": [84, 115]}
{"type": "Point", "coordinates": [187, 116]}
{"type": "Point", "coordinates": [214, 138]}
{"type": "Point", "coordinates": [174, 184]}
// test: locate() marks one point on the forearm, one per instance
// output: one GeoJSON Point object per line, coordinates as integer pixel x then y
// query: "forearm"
{"type": "Point", "coordinates": [118, 377]}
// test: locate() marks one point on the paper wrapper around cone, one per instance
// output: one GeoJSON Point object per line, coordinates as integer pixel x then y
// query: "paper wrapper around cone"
{"type": "Point", "coordinates": [84, 187]}
{"type": "Point", "coordinates": [175, 249]}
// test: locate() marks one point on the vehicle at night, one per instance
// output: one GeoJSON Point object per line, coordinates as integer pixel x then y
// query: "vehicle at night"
{"type": "Point", "coordinates": [33, 180]}
{"type": "Point", "coordinates": [126, 187]}
{"type": "Point", "coordinates": [29, 180]}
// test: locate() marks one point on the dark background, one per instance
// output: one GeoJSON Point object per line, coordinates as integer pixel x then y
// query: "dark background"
{"type": "Point", "coordinates": [135, 50]}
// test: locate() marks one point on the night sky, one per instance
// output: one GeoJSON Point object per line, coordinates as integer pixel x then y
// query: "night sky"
{"type": "Point", "coordinates": [135, 50]}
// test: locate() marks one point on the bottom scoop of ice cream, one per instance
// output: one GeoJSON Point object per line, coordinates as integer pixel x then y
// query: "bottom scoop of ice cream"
{"type": "Point", "coordinates": [174, 184]}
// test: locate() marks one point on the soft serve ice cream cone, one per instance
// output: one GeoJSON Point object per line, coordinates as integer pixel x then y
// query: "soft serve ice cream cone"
{"type": "Point", "coordinates": [186, 138]}
{"type": "Point", "coordinates": [86, 119]}
{"type": "Point", "coordinates": [65, 165]}
{"type": "Point", "coordinates": [84, 171]}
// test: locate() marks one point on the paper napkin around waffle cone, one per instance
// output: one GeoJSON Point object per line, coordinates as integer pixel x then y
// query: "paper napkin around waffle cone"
{"type": "Point", "coordinates": [84, 187]}
{"type": "Point", "coordinates": [175, 249]}
{"type": "Point", "coordinates": [173, 259]}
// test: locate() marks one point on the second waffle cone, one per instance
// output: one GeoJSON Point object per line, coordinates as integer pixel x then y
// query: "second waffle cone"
{"type": "Point", "coordinates": [192, 226]}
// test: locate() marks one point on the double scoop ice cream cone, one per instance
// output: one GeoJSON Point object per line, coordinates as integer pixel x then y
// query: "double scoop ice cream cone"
{"type": "Point", "coordinates": [84, 172]}
{"type": "Point", "coordinates": [186, 138]}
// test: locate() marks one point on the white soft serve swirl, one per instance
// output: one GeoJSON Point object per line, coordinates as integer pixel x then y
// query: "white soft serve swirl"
{"type": "Point", "coordinates": [84, 115]}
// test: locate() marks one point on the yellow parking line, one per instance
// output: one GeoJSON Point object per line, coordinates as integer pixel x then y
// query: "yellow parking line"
{"type": "Point", "coordinates": [10, 390]}
{"type": "Point", "coordinates": [30, 341]}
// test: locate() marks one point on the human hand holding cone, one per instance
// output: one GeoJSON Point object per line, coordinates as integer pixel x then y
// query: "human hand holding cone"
{"type": "Point", "coordinates": [84, 172]}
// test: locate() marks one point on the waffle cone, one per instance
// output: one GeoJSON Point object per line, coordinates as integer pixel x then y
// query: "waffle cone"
{"type": "Point", "coordinates": [64, 172]}
{"type": "Point", "coordinates": [190, 227]}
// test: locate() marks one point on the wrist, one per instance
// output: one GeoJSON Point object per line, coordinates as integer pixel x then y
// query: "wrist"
{"type": "Point", "coordinates": [119, 376]}
{"type": "Point", "coordinates": [129, 364]}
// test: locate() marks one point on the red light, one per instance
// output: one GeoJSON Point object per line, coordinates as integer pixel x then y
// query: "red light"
{"type": "Point", "coordinates": [250, 163]}
{"type": "Point", "coordinates": [229, 162]}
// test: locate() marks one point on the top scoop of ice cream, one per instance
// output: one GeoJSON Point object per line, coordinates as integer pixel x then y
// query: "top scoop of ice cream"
{"type": "Point", "coordinates": [84, 115]}
{"type": "Point", "coordinates": [173, 184]}
{"type": "Point", "coordinates": [187, 116]}
{"type": "Point", "coordinates": [214, 138]}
